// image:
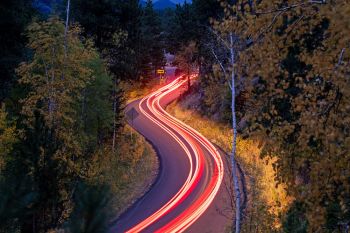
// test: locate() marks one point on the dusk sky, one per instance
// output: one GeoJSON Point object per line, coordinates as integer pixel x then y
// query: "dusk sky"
{"type": "Point", "coordinates": [176, 1]}
{"type": "Point", "coordinates": [180, 1]}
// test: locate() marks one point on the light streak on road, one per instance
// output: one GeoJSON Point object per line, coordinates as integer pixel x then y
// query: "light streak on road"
{"type": "Point", "coordinates": [196, 157]}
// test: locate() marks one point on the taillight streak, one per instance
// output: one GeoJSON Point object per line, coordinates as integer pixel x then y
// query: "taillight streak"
{"type": "Point", "coordinates": [199, 206]}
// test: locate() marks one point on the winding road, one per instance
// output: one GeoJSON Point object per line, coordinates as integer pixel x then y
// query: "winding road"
{"type": "Point", "coordinates": [188, 195]}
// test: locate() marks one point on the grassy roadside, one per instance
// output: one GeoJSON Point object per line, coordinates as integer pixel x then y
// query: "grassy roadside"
{"type": "Point", "coordinates": [141, 171]}
{"type": "Point", "coordinates": [137, 178]}
{"type": "Point", "coordinates": [129, 171]}
{"type": "Point", "coordinates": [267, 202]}
{"type": "Point", "coordinates": [142, 164]}
{"type": "Point", "coordinates": [134, 166]}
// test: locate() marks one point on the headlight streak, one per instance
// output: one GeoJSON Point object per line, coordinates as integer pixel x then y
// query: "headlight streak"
{"type": "Point", "coordinates": [200, 205]}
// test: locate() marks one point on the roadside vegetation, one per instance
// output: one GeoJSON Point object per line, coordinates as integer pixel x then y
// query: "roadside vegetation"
{"type": "Point", "coordinates": [272, 74]}
{"type": "Point", "coordinates": [266, 201]}
{"type": "Point", "coordinates": [130, 172]}
{"type": "Point", "coordinates": [68, 160]}
{"type": "Point", "coordinates": [278, 73]}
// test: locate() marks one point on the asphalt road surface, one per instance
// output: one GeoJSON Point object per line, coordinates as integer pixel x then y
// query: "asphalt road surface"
{"type": "Point", "coordinates": [189, 194]}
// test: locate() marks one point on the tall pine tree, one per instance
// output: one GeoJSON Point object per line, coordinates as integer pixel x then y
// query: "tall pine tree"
{"type": "Point", "coordinates": [152, 42]}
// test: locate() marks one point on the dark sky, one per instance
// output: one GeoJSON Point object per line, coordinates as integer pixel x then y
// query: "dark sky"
{"type": "Point", "coordinates": [177, 1]}
{"type": "Point", "coordinates": [180, 1]}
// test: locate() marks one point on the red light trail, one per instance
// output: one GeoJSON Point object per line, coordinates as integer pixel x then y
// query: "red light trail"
{"type": "Point", "coordinates": [194, 141]}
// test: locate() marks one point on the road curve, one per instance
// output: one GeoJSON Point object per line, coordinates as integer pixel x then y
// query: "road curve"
{"type": "Point", "coordinates": [185, 196]}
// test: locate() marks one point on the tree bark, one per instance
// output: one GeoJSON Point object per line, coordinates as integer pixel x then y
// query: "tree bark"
{"type": "Point", "coordinates": [114, 114]}
{"type": "Point", "coordinates": [66, 30]}
{"type": "Point", "coordinates": [234, 142]}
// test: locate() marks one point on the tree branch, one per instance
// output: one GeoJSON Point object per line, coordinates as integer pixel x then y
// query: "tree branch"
{"type": "Point", "coordinates": [340, 59]}
{"type": "Point", "coordinates": [259, 37]}
{"type": "Point", "coordinates": [218, 60]}
{"type": "Point", "coordinates": [283, 9]}
{"type": "Point", "coordinates": [224, 42]}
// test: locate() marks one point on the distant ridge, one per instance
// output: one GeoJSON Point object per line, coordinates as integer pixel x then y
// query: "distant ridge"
{"type": "Point", "coordinates": [161, 4]}
{"type": "Point", "coordinates": [45, 6]}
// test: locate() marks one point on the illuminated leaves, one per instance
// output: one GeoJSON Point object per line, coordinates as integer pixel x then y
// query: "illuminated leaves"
{"type": "Point", "coordinates": [300, 53]}
{"type": "Point", "coordinates": [56, 81]}
{"type": "Point", "coordinates": [8, 137]}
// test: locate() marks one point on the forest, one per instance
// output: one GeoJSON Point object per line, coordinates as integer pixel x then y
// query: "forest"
{"type": "Point", "coordinates": [273, 92]}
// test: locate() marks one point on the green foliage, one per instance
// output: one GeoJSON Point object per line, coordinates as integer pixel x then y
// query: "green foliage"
{"type": "Point", "coordinates": [56, 79]}
{"type": "Point", "coordinates": [67, 117]}
{"type": "Point", "coordinates": [8, 137]}
{"type": "Point", "coordinates": [191, 23]}
{"type": "Point", "coordinates": [100, 19]}
{"type": "Point", "coordinates": [16, 198]}
{"type": "Point", "coordinates": [129, 38]}
{"type": "Point", "coordinates": [92, 209]}
{"type": "Point", "coordinates": [216, 99]}
{"type": "Point", "coordinates": [69, 108]}
{"type": "Point", "coordinates": [182, 29]}
{"type": "Point", "coordinates": [96, 107]}
{"type": "Point", "coordinates": [151, 42]}
{"type": "Point", "coordinates": [295, 221]}
{"type": "Point", "coordinates": [51, 179]}
{"type": "Point", "coordinates": [336, 218]}
{"type": "Point", "coordinates": [105, 21]}
{"type": "Point", "coordinates": [205, 10]}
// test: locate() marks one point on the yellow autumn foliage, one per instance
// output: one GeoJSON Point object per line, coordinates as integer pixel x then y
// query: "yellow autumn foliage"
{"type": "Point", "coordinates": [8, 136]}
{"type": "Point", "coordinates": [267, 200]}
{"type": "Point", "coordinates": [129, 171]}
{"type": "Point", "coordinates": [296, 72]}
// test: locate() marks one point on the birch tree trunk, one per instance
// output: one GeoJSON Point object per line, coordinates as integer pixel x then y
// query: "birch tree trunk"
{"type": "Point", "coordinates": [234, 142]}
{"type": "Point", "coordinates": [66, 29]}
{"type": "Point", "coordinates": [114, 114]}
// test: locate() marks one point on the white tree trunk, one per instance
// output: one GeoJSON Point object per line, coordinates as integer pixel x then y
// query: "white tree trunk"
{"type": "Point", "coordinates": [114, 114]}
{"type": "Point", "coordinates": [66, 29]}
{"type": "Point", "coordinates": [234, 142]}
